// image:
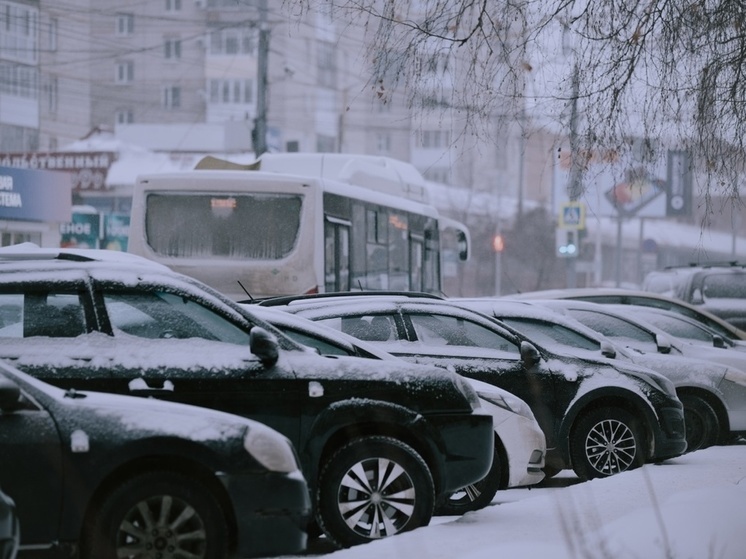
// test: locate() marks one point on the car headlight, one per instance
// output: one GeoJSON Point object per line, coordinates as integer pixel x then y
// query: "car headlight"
{"type": "Point", "coordinates": [271, 450]}
{"type": "Point", "coordinates": [508, 402]}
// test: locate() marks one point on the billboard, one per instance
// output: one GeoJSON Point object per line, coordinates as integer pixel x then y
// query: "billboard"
{"type": "Point", "coordinates": [32, 195]}
{"type": "Point", "coordinates": [624, 185]}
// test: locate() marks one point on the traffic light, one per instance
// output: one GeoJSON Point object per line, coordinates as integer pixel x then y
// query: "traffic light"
{"type": "Point", "coordinates": [567, 243]}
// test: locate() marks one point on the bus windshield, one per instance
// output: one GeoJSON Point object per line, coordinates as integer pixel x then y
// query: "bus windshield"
{"type": "Point", "coordinates": [253, 226]}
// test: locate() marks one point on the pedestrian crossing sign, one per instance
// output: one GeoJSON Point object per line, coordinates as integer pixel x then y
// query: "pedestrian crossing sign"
{"type": "Point", "coordinates": [572, 215]}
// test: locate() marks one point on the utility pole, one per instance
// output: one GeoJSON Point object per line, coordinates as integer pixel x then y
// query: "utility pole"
{"type": "Point", "coordinates": [259, 134]}
{"type": "Point", "coordinates": [574, 189]}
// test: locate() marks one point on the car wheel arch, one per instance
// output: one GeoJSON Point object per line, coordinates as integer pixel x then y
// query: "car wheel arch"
{"type": "Point", "coordinates": [173, 464]}
{"type": "Point", "coordinates": [715, 402]}
{"type": "Point", "coordinates": [608, 397]}
{"type": "Point", "coordinates": [345, 421]}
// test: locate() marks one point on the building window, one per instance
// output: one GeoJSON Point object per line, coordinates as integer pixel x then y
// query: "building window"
{"type": "Point", "coordinates": [435, 139]}
{"type": "Point", "coordinates": [125, 24]}
{"type": "Point", "coordinates": [240, 92]}
{"type": "Point", "coordinates": [438, 174]}
{"type": "Point", "coordinates": [20, 34]}
{"type": "Point", "coordinates": [172, 49]}
{"type": "Point", "coordinates": [19, 80]}
{"type": "Point", "coordinates": [173, 5]}
{"type": "Point", "coordinates": [326, 144]}
{"type": "Point", "coordinates": [51, 91]}
{"type": "Point", "coordinates": [125, 116]}
{"type": "Point", "coordinates": [125, 71]}
{"type": "Point", "coordinates": [172, 97]}
{"type": "Point", "coordinates": [52, 34]}
{"type": "Point", "coordinates": [326, 65]}
{"type": "Point", "coordinates": [383, 142]}
{"type": "Point", "coordinates": [233, 41]}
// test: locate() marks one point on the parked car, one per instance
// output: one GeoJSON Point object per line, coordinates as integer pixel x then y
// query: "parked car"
{"type": "Point", "coordinates": [718, 287]}
{"type": "Point", "coordinates": [683, 328]}
{"type": "Point", "coordinates": [85, 320]}
{"type": "Point", "coordinates": [520, 445]}
{"type": "Point", "coordinates": [598, 419]}
{"type": "Point", "coordinates": [711, 381]}
{"type": "Point", "coordinates": [104, 476]}
{"type": "Point", "coordinates": [9, 528]}
{"type": "Point", "coordinates": [642, 298]}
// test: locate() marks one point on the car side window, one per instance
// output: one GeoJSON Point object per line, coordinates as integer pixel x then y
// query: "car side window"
{"type": "Point", "coordinates": [153, 314]}
{"type": "Point", "coordinates": [444, 330]}
{"type": "Point", "coordinates": [546, 333]}
{"type": "Point", "coordinates": [54, 315]}
{"type": "Point", "coordinates": [613, 327]}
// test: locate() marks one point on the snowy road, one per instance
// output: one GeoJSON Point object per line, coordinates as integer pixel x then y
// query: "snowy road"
{"type": "Point", "coordinates": [691, 507]}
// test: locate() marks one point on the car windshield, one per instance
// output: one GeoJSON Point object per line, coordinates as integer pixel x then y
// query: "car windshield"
{"type": "Point", "coordinates": [546, 333]}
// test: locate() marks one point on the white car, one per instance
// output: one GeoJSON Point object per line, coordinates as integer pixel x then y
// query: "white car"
{"type": "Point", "coordinates": [520, 444]}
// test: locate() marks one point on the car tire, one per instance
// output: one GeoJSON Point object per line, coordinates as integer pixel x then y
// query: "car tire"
{"type": "Point", "coordinates": [121, 523]}
{"type": "Point", "coordinates": [701, 422]}
{"type": "Point", "coordinates": [604, 442]}
{"type": "Point", "coordinates": [477, 495]}
{"type": "Point", "coordinates": [351, 475]}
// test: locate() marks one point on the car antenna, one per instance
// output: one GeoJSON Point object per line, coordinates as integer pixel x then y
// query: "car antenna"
{"type": "Point", "coordinates": [245, 290]}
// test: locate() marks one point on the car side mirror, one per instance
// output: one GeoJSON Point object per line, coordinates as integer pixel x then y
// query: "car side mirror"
{"type": "Point", "coordinates": [608, 350]}
{"type": "Point", "coordinates": [463, 246]}
{"type": "Point", "coordinates": [10, 393]}
{"type": "Point", "coordinates": [718, 341]}
{"type": "Point", "coordinates": [663, 344]}
{"type": "Point", "coordinates": [529, 355]}
{"type": "Point", "coordinates": [263, 344]}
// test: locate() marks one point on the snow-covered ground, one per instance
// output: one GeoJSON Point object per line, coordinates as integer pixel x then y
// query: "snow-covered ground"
{"type": "Point", "coordinates": [691, 507]}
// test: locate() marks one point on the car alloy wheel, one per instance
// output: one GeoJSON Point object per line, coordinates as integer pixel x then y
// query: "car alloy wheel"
{"type": "Point", "coordinates": [605, 442]}
{"type": "Point", "coordinates": [159, 516]}
{"type": "Point", "coordinates": [372, 488]}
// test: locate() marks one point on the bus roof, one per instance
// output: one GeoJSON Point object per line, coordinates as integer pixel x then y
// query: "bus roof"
{"type": "Point", "coordinates": [383, 174]}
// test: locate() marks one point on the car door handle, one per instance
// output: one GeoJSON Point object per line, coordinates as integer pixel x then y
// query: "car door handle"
{"type": "Point", "coordinates": [141, 385]}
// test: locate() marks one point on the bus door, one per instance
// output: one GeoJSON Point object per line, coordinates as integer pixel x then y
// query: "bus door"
{"type": "Point", "coordinates": [416, 261]}
{"type": "Point", "coordinates": [336, 254]}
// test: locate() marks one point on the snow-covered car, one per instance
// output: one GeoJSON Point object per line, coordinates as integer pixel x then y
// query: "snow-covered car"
{"type": "Point", "coordinates": [520, 445]}
{"type": "Point", "coordinates": [684, 328]}
{"type": "Point", "coordinates": [85, 320]}
{"type": "Point", "coordinates": [99, 475]}
{"type": "Point", "coordinates": [598, 418]}
{"type": "Point", "coordinates": [620, 296]}
{"type": "Point", "coordinates": [9, 528]}
{"type": "Point", "coordinates": [711, 382]}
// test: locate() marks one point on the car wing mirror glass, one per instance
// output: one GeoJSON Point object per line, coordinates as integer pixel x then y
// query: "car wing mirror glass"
{"type": "Point", "coordinates": [263, 344]}
{"type": "Point", "coordinates": [718, 341]}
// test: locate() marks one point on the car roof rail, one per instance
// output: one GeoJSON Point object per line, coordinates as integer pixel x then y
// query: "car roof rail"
{"type": "Point", "coordinates": [284, 300]}
{"type": "Point", "coordinates": [710, 264]}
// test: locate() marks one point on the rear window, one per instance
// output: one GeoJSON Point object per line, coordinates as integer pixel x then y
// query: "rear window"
{"type": "Point", "coordinates": [724, 286]}
{"type": "Point", "coordinates": [245, 226]}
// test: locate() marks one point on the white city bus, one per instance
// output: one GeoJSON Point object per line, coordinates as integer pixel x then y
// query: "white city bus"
{"type": "Point", "coordinates": [294, 224]}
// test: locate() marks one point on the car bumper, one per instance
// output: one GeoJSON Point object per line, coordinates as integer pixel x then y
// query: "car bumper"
{"type": "Point", "coordinates": [525, 446]}
{"type": "Point", "coordinates": [467, 447]}
{"type": "Point", "coordinates": [271, 511]}
{"type": "Point", "coordinates": [669, 434]}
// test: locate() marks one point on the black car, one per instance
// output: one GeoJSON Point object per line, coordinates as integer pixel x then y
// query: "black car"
{"type": "Point", "coordinates": [9, 528]}
{"type": "Point", "coordinates": [100, 475]}
{"type": "Point", "coordinates": [599, 418]}
{"type": "Point", "coordinates": [112, 322]}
